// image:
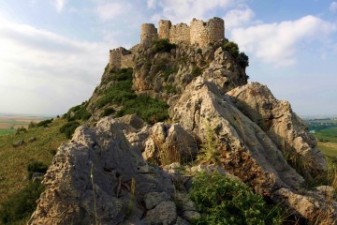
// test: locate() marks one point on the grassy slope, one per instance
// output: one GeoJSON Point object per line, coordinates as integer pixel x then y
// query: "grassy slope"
{"type": "Point", "coordinates": [327, 141]}
{"type": "Point", "coordinates": [14, 161]}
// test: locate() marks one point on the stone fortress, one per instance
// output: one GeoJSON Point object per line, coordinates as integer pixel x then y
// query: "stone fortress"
{"type": "Point", "coordinates": [198, 33]}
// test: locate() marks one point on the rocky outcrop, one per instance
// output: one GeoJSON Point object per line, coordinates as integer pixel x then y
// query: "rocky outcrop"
{"type": "Point", "coordinates": [165, 75]}
{"type": "Point", "coordinates": [283, 126]}
{"type": "Point", "coordinates": [98, 179]}
{"type": "Point", "coordinates": [247, 151]}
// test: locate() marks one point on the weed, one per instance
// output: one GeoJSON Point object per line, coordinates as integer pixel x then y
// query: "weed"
{"type": "Point", "coordinates": [223, 201]}
{"type": "Point", "coordinates": [209, 149]}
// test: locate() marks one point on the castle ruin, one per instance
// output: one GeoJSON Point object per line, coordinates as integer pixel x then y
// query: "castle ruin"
{"type": "Point", "coordinates": [198, 33]}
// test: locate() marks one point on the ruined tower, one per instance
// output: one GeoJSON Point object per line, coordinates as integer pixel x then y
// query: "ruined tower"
{"type": "Point", "coordinates": [148, 33]}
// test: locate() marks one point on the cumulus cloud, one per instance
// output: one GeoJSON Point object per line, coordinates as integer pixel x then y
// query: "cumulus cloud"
{"type": "Point", "coordinates": [184, 11]}
{"type": "Point", "coordinates": [43, 72]}
{"type": "Point", "coordinates": [238, 16]}
{"type": "Point", "coordinates": [277, 43]}
{"type": "Point", "coordinates": [333, 7]}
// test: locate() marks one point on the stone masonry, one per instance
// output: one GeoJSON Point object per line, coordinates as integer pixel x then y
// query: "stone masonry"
{"type": "Point", "coordinates": [199, 32]}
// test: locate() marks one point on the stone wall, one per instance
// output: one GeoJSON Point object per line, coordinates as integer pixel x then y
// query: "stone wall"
{"type": "Point", "coordinates": [148, 33]}
{"type": "Point", "coordinates": [204, 33]}
{"type": "Point", "coordinates": [199, 32]}
{"type": "Point", "coordinates": [120, 58]}
{"type": "Point", "coordinates": [180, 33]}
{"type": "Point", "coordinates": [164, 29]}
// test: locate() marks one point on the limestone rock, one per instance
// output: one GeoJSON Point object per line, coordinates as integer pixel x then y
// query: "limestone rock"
{"type": "Point", "coordinates": [164, 213]}
{"type": "Point", "coordinates": [94, 177]}
{"type": "Point", "coordinates": [245, 149]}
{"type": "Point", "coordinates": [283, 126]}
{"type": "Point", "coordinates": [154, 198]}
{"type": "Point", "coordinates": [170, 143]}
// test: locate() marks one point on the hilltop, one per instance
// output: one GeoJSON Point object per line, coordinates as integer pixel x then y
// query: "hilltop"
{"type": "Point", "coordinates": [175, 134]}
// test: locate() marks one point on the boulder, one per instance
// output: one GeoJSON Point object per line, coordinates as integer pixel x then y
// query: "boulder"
{"type": "Point", "coordinates": [98, 176]}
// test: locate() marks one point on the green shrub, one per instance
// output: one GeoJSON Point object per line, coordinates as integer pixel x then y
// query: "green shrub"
{"type": "Point", "coordinates": [225, 201]}
{"type": "Point", "coordinates": [120, 93]}
{"type": "Point", "coordinates": [241, 57]}
{"type": "Point", "coordinates": [69, 128]}
{"type": "Point", "coordinates": [36, 167]}
{"type": "Point", "coordinates": [78, 112]}
{"type": "Point", "coordinates": [44, 123]}
{"type": "Point", "coordinates": [108, 111]}
{"type": "Point", "coordinates": [232, 48]}
{"type": "Point", "coordinates": [22, 204]}
{"type": "Point", "coordinates": [163, 45]}
{"type": "Point", "coordinates": [196, 71]}
{"type": "Point", "coordinates": [149, 109]}
{"type": "Point", "coordinates": [243, 60]}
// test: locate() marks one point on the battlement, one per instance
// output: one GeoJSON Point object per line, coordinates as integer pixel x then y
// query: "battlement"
{"type": "Point", "coordinates": [198, 32]}
{"type": "Point", "coordinates": [120, 58]}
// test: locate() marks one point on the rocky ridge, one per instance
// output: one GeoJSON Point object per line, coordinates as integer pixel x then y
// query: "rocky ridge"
{"type": "Point", "coordinates": [123, 170]}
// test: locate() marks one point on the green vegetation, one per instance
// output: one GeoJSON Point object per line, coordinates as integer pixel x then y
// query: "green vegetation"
{"type": "Point", "coordinates": [78, 112]}
{"type": "Point", "coordinates": [7, 131]}
{"type": "Point", "coordinates": [44, 123]}
{"type": "Point", "coordinates": [69, 128]}
{"type": "Point", "coordinates": [120, 93]}
{"type": "Point", "coordinates": [36, 167]}
{"type": "Point", "coordinates": [16, 191]}
{"type": "Point", "coordinates": [22, 204]}
{"type": "Point", "coordinates": [233, 48]}
{"type": "Point", "coordinates": [225, 201]}
{"type": "Point", "coordinates": [209, 149]}
{"type": "Point", "coordinates": [163, 45]}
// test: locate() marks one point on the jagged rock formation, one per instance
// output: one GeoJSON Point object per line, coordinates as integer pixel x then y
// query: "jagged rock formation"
{"type": "Point", "coordinates": [102, 176]}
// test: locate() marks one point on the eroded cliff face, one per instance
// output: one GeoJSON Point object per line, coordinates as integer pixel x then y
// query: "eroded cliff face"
{"type": "Point", "coordinates": [103, 175]}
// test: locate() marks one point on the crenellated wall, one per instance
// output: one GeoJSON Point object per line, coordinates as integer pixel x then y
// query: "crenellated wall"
{"type": "Point", "coordinates": [199, 32]}
{"type": "Point", "coordinates": [120, 58]}
{"type": "Point", "coordinates": [204, 33]}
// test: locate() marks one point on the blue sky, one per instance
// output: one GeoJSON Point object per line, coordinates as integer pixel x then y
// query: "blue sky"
{"type": "Point", "coordinates": [53, 52]}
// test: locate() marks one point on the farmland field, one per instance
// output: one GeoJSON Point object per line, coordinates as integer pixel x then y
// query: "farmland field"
{"type": "Point", "coordinates": [8, 123]}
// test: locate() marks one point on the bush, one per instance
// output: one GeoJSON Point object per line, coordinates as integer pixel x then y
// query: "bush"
{"type": "Point", "coordinates": [108, 111]}
{"type": "Point", "coordinates": [163, 45]}
{"type": "Point", "coordinates": [232, 47]}
{"type": "Point", "coordinates": [44, 123]}
{"type": "Point", "coordinates": [241, 57]}
{"type": "Point", "coordinates": [120, 93]}
{"type": "Point", "coordinates": [243, 60]}
{"type": "Point", "coordinates": [36, 167]}
{"type": "Point", "coordinates": [69, 128]}
{"type": "Point", "coordinates": [225, 201]}
{"type": "Point", "coordinates": [78, 112]}
{"type": "Point", "coordinates": [22, 204]}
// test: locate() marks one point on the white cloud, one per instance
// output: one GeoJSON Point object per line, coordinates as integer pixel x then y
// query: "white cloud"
{"type": "Point", "coordinates": [238, 17]}
{"type": "Point", "coordinates": [277, 43]}
{"type": "Point", "coordinates": [42, 72]}
{"type": "Point", "coordinates": [151, 4]}
{"type": "Point", "coordinates": [333, 7]}
{"type": "Point", "coordinates": [186, 10]}
{"type": "Point", "coordinates": [112, 10]}
{"type": "Point", "coordinates": [59, 4]}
